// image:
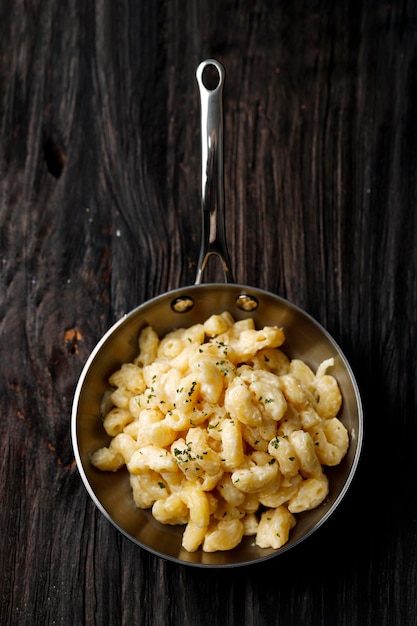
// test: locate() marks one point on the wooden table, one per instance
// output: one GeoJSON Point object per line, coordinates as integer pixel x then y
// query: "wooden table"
{"type": "Point", "coordinates": [100, 211]}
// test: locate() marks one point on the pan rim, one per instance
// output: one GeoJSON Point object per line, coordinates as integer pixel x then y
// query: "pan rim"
{"type": "Point", "coordinates": [193, 289]}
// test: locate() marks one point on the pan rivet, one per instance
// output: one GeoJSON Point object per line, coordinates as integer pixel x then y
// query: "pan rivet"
{"type": "Point", "coordinates": [246, 302]}
{"type": "Point", "coordinates": [182, 304]}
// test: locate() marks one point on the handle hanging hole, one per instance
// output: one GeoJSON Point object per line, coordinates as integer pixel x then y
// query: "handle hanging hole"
{"type": "Point", "coordinates": [211, 77]}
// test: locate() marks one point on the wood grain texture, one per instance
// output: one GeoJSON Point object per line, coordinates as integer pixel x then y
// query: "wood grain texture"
{"type": "Point", "coordinates": [99, 211]}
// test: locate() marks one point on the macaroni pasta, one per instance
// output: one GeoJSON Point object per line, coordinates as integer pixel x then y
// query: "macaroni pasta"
{"type": "Point", "coordinates": [220, 431]}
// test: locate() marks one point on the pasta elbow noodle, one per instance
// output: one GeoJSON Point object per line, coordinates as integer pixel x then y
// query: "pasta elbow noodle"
{"type": "Point", "coordinates": [171, 510]}
{"type": "Point", "coordinates": [193, 537]}
{"type": "Point", "coordinates": [151, 458]}
{"type": "Point", "coordinates": [255, 478]}
{"type": "Point", "coordinates": [232, 443]}
{"type": "Point", "coordinates": [306, 454]}
{"type": "Point", "coordinates": [331, 439]}
{"type": "Point", "coordinates": [148, 346]}
{"type": "Point", "coordinates": [310, 494]}
{"type": "Point", "coordinates": [125, 445]}
{"type": "Point", "coordinates": [274, 528]}
{"type": "Point", "coordinates": [197, 503]}
{"type": "Point", "coordinates": [223, 433]}
{"type": "Point", "coordinates": [115, 421]}
{"type": "Point", "coordinates": [107, 460]}
{"type": "Point", "coordinates": [329, 397]}
{"type": "Point", "coordinates": [239, 404]}
{"type": "Point", "coordinates": [225, 535]}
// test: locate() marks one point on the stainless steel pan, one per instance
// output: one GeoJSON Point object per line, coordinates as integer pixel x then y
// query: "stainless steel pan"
{"type": "Point", "coordinates": [305, 339]}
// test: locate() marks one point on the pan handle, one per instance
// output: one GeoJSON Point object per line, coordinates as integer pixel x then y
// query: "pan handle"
{"type": "Point", "coordinates": [213, 239]}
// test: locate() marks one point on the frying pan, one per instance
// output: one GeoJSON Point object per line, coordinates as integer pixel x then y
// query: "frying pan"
{"type": "Point", "coordinates": [306, 339]}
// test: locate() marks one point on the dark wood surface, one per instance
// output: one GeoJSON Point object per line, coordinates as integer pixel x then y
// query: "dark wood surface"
{"type": "Point", "coordinates": [100, 210]}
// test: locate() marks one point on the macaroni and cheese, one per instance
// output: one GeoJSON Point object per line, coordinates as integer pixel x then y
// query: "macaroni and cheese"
{"type": "Point", "coordinates": [222, 432]}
